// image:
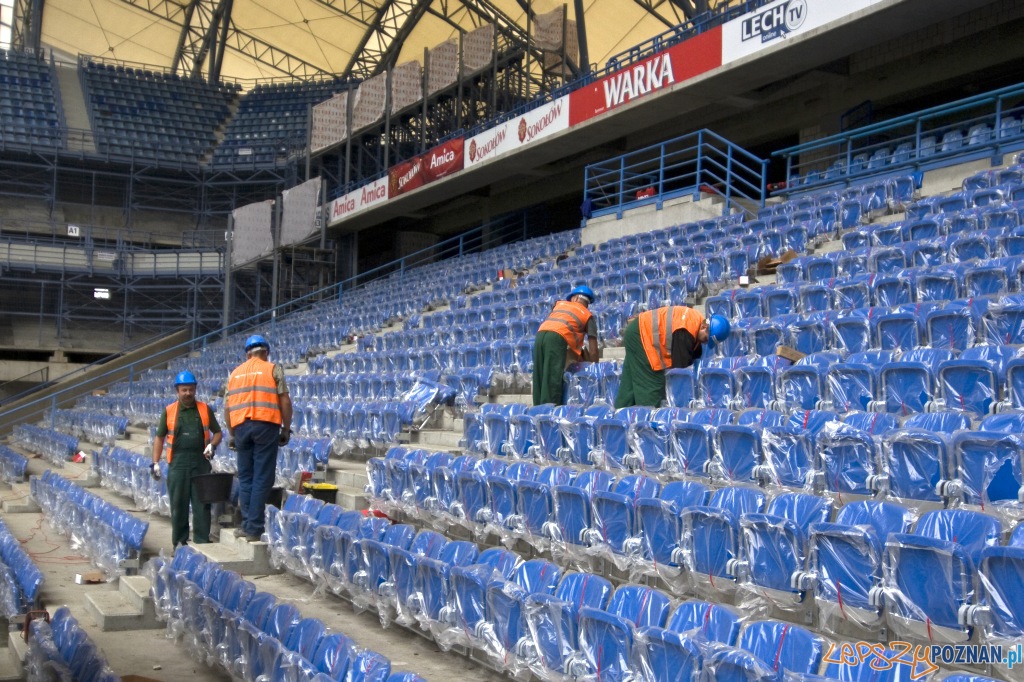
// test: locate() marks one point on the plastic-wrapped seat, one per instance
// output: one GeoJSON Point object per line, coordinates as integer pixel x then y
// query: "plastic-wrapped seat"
{"type": "Point", "coordinates": [1000, 610]}
{"type": "Point", "coordinates": [505, 603]}
{"type": "Point", "coordinates": [774, 549]}
{"type": "Point", "coordinates": [614, 514]}
{"type": "Point", "coordinates": [852, 385]}
{"type": "Point", "coordinates": [553, 621]}
{"type": "Point", "coordinates": [846, 561]}
{"type": "Point", "coordinates": [612, 448]}
{"type": "Point", "coordinates": [432, 581]}
{"type": "Point", "coordinates": [680, 388]}
{"type": "Point", "coordinates": [606, 637]}
{"type": "Point", "coordinates": [658, 522]}
{"type": "Point", "coordinates": [987, 465]}
{"type": "Point", "coordinates": [897, 331]}
{"type": "Point", "coordinates": [534, 504]}
{"type": "Point", "coordinates": [973, 382]}
{"type": "Point", "coordinates": [951, 328]}
{"type": "Point", "coordinates": [710, 536]}
{"type": "Point", "coordinates": [907, 385]}
{"type": "Point", "coordinates": [468, 592]}
{"type": "Point", "coordinates": [803, 384]}
{"type": "Point", "coordinates": [930, 575]}
{"type": "Point", "coordinates": [916, 459]}
{"type": "Point", "coordinates": [573, 514]}
{"type": "Point", "coordinates": [502, 493]}
{"type": "Point", "coordinates": [579, 435]}
{"type": "Point", "coordinates": [767, 650]}
{"type": "Point", "coordinates": [737, 453]}
{"type": "Point", "coordinates": [789, 451]}
{"type": "Point", "coordinates": [548, 432]}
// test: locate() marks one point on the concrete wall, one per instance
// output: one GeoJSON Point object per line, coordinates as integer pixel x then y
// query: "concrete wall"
{"type": "Point", "coordinates": [649, 217]}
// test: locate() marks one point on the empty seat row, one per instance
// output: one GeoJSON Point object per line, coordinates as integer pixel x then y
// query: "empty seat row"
{"type": "Point", "coordinates": [97, 427]}
{"type": "Point", "coordinates": [20, 578]}
{"type": "Point", "coordinates": [55, 446]}
{"type": "Point", "coordinates": [225, 621]}
{"type": "Point", "coordinates": [128, 473]}
{"type": "Point", "coordinates": [61, 650]}
{"type": "Point", "coordinates": [108, 535]}
{"type": "Point", "coordinates": [13, 465]}
{"type": "Point", "coordinates": [515, 610]}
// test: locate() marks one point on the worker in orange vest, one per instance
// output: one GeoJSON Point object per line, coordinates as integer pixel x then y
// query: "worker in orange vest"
{"type": "Point", "coordinates": [258, 411]}
{"type": "Point", "coordinates": [191, 434]}
{"type": "Point", "coordinates": [559, 342]}
{"type": "Point", "coordinates": [660, 339]}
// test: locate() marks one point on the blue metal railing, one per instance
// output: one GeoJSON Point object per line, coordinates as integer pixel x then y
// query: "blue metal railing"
{"type": "Point", "coordinates": [482, 238]}
{"type": "Point", "coordinates": [699, 162]}
{"type": "Point", "coordinates": [976, 127]}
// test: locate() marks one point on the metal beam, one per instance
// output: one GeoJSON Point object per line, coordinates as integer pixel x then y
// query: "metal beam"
{"type": "Point", "coordinates": [653, 7]}
{"type": "Point", "coordinates": [26, 24]}
{"type": "Point", "coordinates": [382, 42]}
{"type": "Point", "coordinates": [236, 39]}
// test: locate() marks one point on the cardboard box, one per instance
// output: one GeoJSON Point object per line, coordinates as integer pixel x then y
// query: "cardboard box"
{"type": "Point", "coordinates": [790, 354]}
{"type": "Point", "coordinates": [89, 578]}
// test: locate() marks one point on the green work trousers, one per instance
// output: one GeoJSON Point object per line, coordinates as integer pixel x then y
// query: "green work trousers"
{"type": "Point", "coordinates": [639, 385]}
{"type": "Point", "coordinates": [182, 493]}
{"type": "Point", "coordinates": [549, 350]}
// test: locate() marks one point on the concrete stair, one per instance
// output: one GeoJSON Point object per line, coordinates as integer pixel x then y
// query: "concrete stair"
{"type": "Point", "coordinates": [76, 112]}
{"type": "Point", "coordinates": [130, 608]}
{"type": "Point", "coordinates": [236, 554]}
{"type": "Point", "coordinates": [12, 663]}
{"type": "Point", "coordinates": [350, 477]}
{"type": "Point", "coordinates": [20, 501]}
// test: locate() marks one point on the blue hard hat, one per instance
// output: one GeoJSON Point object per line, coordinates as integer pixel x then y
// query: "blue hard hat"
{"type": "Point", "coordinates": [256, 341]}
{"type": "Point", "coordinates": [583, 290]}
{"type": "Point", "coordinates": [185, 378]}
{"type": "Point", "coordinates": [718, 327]}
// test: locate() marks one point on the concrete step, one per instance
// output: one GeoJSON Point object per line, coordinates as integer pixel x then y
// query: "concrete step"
{"type": "Point", "coordinates": [130, 608]}
{"type": "Point", "coordinates": [137, 434]}
{"type": "Point", "coordinates": [513, 398]}
{"type": "Point", "coordinates": [236, 554]}
{"type": "Point", "coordinates": [12, 663]}
{"type": "Point", "coordinates": [352, 498]}
{"type": "Point", "coordinates": [20, 501]}
{"type": "Point", "coordinates": [439, 439]}
{"type": "Point", "coordinates": [613, 353]}
{"type": "Point", "coordinates": [348, 474]}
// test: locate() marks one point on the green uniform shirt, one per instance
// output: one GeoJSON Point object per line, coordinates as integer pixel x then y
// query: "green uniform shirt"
{"type": "Point", "coordinates": [188, 439]}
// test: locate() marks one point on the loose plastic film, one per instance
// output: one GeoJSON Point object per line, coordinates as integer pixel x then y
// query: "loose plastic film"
{"type": "Point", "coordinates": [61, 650]}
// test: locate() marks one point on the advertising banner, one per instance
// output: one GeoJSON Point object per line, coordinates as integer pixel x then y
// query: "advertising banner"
{"type": "Point", "coordinates": [774, 23]}
{"type": "Point", "coordinates": [675, 65]}
{"type": "Point", "coordinates": [358, 200]}
{"type": "Point", "coordinates": [511, 135]}
{"type": "Point", "coordinates": [439, 162]}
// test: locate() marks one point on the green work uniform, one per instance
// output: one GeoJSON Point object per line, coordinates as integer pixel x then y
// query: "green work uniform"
{"type": "Point", "coordinates": [549, 349]}
{"type": "Point", "coordinates": [639, 384]}
{"type": "Point", "coordinates": [187, 461]}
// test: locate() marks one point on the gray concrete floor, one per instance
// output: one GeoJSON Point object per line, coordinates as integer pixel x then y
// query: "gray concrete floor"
{"type": "Point", "coordinates": [137, 652]}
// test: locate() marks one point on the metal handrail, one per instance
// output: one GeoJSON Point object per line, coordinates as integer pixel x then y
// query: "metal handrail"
{"type": "Point", "coordinates": [834, 156]}
{"type": "Point", "coordinates": [690, 164]}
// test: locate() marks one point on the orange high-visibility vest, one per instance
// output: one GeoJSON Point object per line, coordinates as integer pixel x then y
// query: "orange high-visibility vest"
{"type": "Point", "coordinates": [569, 320]}
{"type": "Point", "coordinates": [172, 422]}
{"type": "Point", "coordinates": [657, 327]}
{"type": "Point", "coordinates": [252, 393]}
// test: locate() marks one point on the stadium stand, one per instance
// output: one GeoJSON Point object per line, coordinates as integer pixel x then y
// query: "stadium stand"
{"type": "Point", "coordinates": [272, 122]}
{"type": "Point", "coordinates": [770, 509]}
{"type": "Point", "coordinates": [29, 104]}
{"type": "Point", "coordinates": [154, 116]}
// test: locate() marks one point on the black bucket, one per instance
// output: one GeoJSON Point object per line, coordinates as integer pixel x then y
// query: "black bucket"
{"type": "Point", "coordinates": [276, 497]}
{"type": "Point", "coordinates": [327, 494]}
{"type": "Point", "coordinates": [213, 487]}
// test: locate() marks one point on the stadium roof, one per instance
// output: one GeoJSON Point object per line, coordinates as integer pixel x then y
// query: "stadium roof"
{"type": "Point", "coordinates": [310, 38]}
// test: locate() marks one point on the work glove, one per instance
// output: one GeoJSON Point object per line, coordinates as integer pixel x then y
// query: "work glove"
{"type": "Point", "coordinates": [231, 442]}
{"type": "Point", "coordinates": [208, 452]}
{"type": "Point", "coordinates": [154, 471]}
{"type": "Point", "coordinates": [286, 435]}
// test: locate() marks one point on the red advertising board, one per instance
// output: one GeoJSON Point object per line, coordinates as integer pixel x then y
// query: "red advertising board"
{"type": "Point", "coordinates": [679, 63]}
{"type": "Point", "coordinates": [443, 160]}
{"type": "Point", "coordinates": [439, 162]}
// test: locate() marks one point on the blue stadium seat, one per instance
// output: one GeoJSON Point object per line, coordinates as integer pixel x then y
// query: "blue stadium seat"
{"type": "Point", "coordinates": [930, 575]}
{"type": "Point", "coordinates": [846, 560]}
